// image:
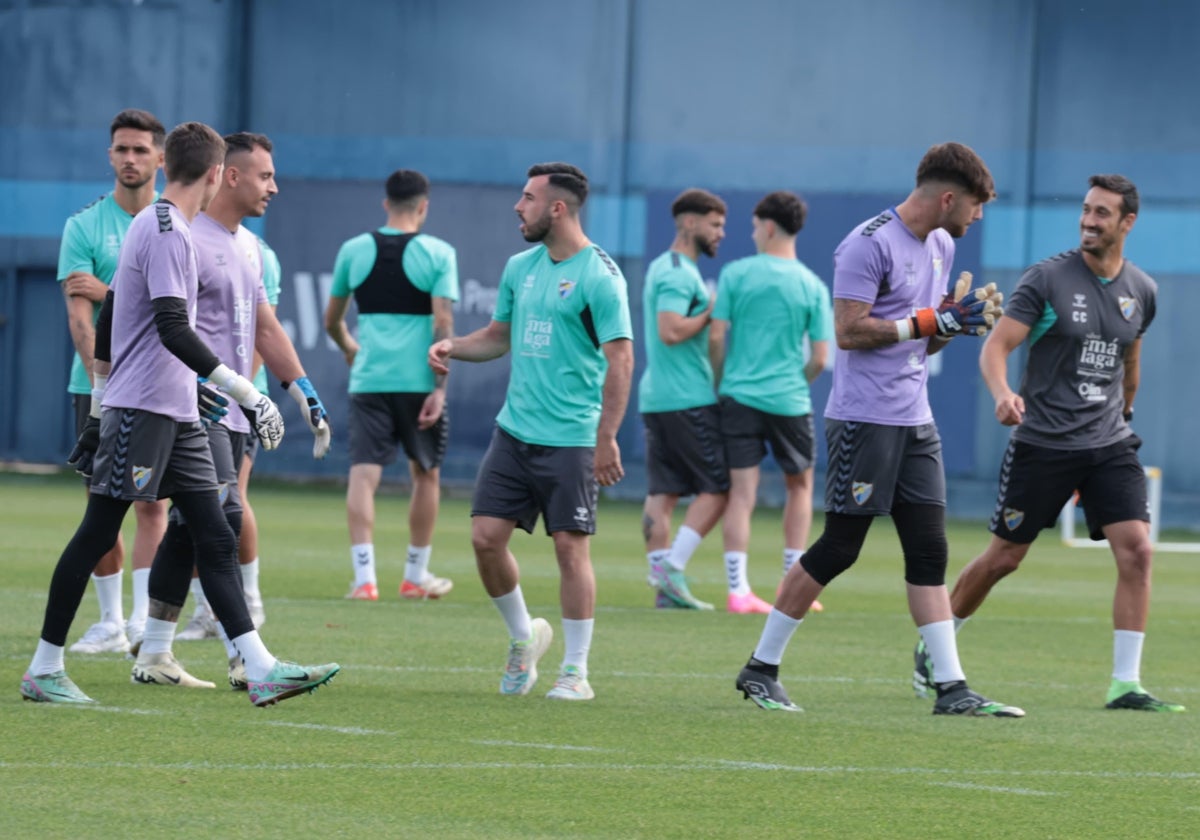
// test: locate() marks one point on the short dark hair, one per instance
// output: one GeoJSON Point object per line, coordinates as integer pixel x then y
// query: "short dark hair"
{"type": "Point", "coordinates": [785, 209]}
{"type": "Point", "coordinates": [246, 141]}
{"type": "Point", "coordinates": [1122, 186]}
{"type": "Point", "coordinates": [565, 177]}
{"type": "Point", "coordinates": [405, 185]}
{"type": "Point", "coordinates": [700, 202]}
{"type": "Point", "coordinates": [139, 120]}
{"type": "Point", "coordinates": [192, 148]}
{"type": "Point", "coordinates": [954, 163]}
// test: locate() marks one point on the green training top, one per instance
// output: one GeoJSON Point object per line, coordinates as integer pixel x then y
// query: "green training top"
{"type": "Point", "coordinates": [272, 280]}
{"type": "Point", "coordinates": [677, 376]}
{"type": "Point", "coordinates": [559, 314]}
{"type": "Point", "coordinates": [91, 241]}
{"type": "Point", "coordinates": [771, 303]}
{"type": "Point", "coordinates": [393, 347]}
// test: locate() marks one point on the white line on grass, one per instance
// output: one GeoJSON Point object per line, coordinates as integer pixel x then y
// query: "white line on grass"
{"type": "Point", "coordinates": [540, 746]}
{"type": "Point", "coordinates": [344, 730]}
{"type": "Point", "coordinates": [995, 789]}
{"type": "Point", "coordinates": [709, 766]}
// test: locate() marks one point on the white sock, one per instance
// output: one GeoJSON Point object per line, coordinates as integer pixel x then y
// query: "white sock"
{"type": "Point", "coordinates": [250, 579]}
{"type": "Point", "coordinates": [959, 622]}
{"type": "Point", "coordinates": [157, 637]}
{"type": "Point", "coordinates": [791, 556]}
{"type": "Point", "coordinates": [108, 591]}
{"type": "Point", "coordinates": [735, 572]}
{"type": "Point", "coordinates": [47, 659]}
{"type": "Point", "coordinates": [516, 616]}
{"type": "Point", "coordinates": [141, 598]}
{"type": "Point", "coordinates": [657, 557]}
{"type": "Point", "coordinates": [577, 638]}
{"type": "Point", "coordinates": [776, 634]}
{"type": "Point", "coordinates": [230, 650]}
{"type": "Point", "coordinates": [1127, 655]}
{"type": "Point", "coordinates": [687, 540]}
{"type": "Point", "coordinates": [362, 557]}
{"type": "Point", "coordinates": [254, 653]}
{"type": "Point", "coordinates": [197, 590]}
{"type": "Point", "coordinates": [416, 567]}
{"type": "Point", "coordinates": [943, 650]}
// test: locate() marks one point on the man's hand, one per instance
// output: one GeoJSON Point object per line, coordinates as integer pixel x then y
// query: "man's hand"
{"type": "Point", "coordinates": [431, 409]}
{"type": "Point", "coordinates": [439, 356]}
{"type": "Point", "coordinates": [313, 411]}
{"type": "Point", "coordinates": [210, 401]}
{"type": "Point", "coordinates": [1010, 409]}
{"type": "Point", "coordinates": [82, 284]}
{"type": "Point", "coordinates": [965, 310]}
{"type": "Point", "coordinates": [83, 456]}
{"type": "Point", "coordinates": [607, 466]}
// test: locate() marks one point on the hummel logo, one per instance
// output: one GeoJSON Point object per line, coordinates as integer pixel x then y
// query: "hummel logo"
{"type": "Point", "coordinates": [363, 558]}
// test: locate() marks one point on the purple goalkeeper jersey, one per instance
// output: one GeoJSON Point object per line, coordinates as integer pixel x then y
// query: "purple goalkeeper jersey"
{"type": "Point", "coordinates": [157, 261]}
{"type": "Point", "coordinates": [231, 287]}
{"type": "Point", "coordinates": [882, 263]}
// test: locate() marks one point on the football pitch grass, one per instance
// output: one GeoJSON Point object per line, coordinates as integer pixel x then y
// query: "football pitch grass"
{"type": "Point", "coordinates": [412, 739]}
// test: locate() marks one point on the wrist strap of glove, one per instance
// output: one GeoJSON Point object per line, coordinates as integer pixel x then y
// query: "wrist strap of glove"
{"type": "Point", "coordinates": [236, 385]}
{"type": "Point", "coordinates": [99, 383]}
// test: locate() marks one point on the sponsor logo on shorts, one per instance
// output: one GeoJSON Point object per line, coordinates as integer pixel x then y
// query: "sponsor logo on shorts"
{"type": "Point", "coordinates": [565, 287]}
{"type": "Point", "coordinates": [1128, 306]}
{"type": "Point", "coordinates": [581, 515]}
{"type": "Point", "coordinates": [223, 491]}
{"type": "Point", "coordinates": [861, 490]}
{"type": "Point", "coordinates": [1013, 518]}
{"type": "Point", "coordinates": [141, 476]}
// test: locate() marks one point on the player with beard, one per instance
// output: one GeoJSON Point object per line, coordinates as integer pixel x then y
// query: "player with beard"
{"type": "Point", "coordinates": [562, 309]}
{"type": "Point", "coordinates": [1083, 313]}
{"type": "Point", "coordinates": [891, 311]}
{"type": "Point", "coordinates": [678, 402]}
{"type": "Point", "coordinates": [143, 439]}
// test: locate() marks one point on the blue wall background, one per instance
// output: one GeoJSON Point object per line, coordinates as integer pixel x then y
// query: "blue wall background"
{"type": "Point", "coordinates": [837, 100]}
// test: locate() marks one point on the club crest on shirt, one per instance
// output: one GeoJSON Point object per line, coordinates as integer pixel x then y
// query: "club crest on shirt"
{"type": "Point", "coordinates": [141, 476]}
{"type": "Point", "coordinates": [1013, 518]}
{"type": "Point", "coordinates": [1128, 306]}
{"type": "Point", "coordinates": [223, 491]}
{"type": "Point", "coordinates": [565, 287]}
{"type": "Point", "coordinates": [861, 490]}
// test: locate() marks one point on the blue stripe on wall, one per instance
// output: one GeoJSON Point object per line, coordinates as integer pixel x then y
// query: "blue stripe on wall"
{"type": "Point", "coordinates": [1162, 240]}
{"type": "Point", "coordinates": [39, 208]}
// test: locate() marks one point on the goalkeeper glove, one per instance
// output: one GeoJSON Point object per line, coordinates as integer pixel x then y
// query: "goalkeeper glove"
{"type": "Point", "coordinates": [965, 310]}
{"type": "Point", "coordinates": [313, 411]}
{"type": "Point", "coordinates": [210, 402]}
{"type": "Point", "coordinates": [83, 456]}
{"type": "Point", "coordinates": [264, 415]}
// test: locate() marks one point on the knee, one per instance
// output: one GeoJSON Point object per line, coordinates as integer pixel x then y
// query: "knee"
{"type": "Point", "coordinates": [150, 514]}
{"type": "Point", "coordinates": [215, 543]}
{"type": "Point", "coordinates": [1136, 560]}
{"type": "Point", "coordinates": [487, 543]}
{"type": "Point", "coordinates": [829, 557]}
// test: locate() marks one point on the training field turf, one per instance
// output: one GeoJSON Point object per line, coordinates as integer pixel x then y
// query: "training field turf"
{"type": "Point", "coordinates": [413, 740]}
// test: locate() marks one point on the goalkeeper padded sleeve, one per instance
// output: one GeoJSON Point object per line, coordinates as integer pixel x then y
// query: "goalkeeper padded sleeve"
{"type": "Point", "coordinates": [102, 352]}
{"type": "Point", "coordinates": [177, 335]}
